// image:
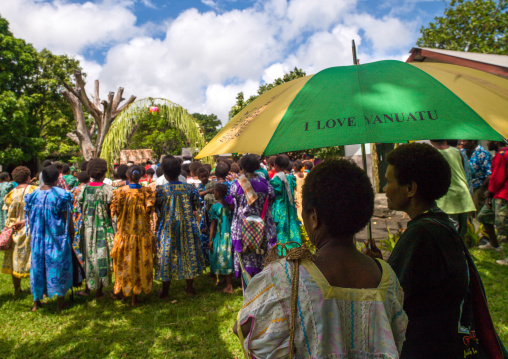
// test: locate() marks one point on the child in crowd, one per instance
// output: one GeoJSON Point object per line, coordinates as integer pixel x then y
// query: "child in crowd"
{"type": "Point", "coordinates": [121, 174]}
{"type": "Point", "coordinates": [271, 167]}
{"type": "Point", "coordinates": [178, 239]}
{"type": "Point", "coordinates": [193, 168]}
{"type": "Point", "coordinates": [283, 209]}
{"type": "Point", "coordinates": [221, 251]}
{"type": "Point", "coordinates": [133, 249]}
{"type": "Point", "coordinates": [98, 235]}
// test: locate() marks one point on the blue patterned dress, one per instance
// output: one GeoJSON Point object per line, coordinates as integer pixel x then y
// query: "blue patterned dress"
{"type": "Point", "coordinates": [51, 267]}
{"type": "Point", "coordinates": [178, 237]}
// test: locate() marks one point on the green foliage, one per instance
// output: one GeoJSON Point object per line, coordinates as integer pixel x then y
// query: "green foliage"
{"type": "Point", "coordinates": [388, 243]}
{"type": "Point", "coordinates": [240, 100]}
{"type": "Point", "coordinates": [474, 25]}
{"type": "Point", "coordinates": [209, 125]}
{"type": "Point", "coordinates": [153, 132]}
{"type": "Point", "coordinates": [172, 116]}
{"type": "Point", "coordinates": [34, 116]}
{"type": "Point", "coordinates": [473, 235]}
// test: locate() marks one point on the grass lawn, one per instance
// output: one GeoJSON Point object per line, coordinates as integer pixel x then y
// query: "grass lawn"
{"type": "Point", "coordinates": [198, 327]}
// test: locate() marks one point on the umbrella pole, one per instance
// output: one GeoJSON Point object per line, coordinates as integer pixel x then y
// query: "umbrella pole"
{"type": "Point", "coordinates": [364, 159]}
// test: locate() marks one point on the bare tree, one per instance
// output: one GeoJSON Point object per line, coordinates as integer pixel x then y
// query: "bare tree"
{"type": "Point", "coordinates": [83, 135]}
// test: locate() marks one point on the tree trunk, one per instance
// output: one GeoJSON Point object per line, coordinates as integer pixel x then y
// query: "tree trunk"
{"type": "Point", "coordinates": [76, 96]}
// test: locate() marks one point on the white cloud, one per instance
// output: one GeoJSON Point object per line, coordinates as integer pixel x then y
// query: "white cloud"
{"type": "Point", "coordinates": [204, 59]}
{"type": "Point", "coordinates": [69, 27]}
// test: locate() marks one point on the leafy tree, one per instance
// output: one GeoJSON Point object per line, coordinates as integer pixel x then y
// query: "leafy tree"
{"type": "Point", "coordinates": [473, 25]}
{"type": "Point", "coordinates": [32, 113]}
{"type": "Point", "coordinates": [241, 103]}
{"type": "Point", "coordinates": [210, 125]}
{"type": "Point", "coordinates": [153, 133]}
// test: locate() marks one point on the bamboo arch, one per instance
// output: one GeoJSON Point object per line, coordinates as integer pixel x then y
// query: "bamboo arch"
{"type": "Point", "coordinates": [126, 125]}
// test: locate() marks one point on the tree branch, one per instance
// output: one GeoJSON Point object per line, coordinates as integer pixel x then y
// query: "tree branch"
{"type": "Point", "coordinates": [73, 137]}
{"type": "Point", "coordinates": [125, 105]}
{"type": "Point", "coordinates": [118, 98]}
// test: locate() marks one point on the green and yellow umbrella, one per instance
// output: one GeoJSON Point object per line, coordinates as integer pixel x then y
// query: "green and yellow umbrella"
{"type": "Point", "coordinates": [380, 102]}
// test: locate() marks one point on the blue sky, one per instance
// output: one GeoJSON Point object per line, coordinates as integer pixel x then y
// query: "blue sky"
{"type": "Point", "coordinates": [201, 53]}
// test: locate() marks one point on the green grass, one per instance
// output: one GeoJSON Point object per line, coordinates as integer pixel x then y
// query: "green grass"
{"type": "Point", "coordinates": [198, 327]}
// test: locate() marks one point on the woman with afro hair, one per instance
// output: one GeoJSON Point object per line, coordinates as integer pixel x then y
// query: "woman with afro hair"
{"type": "Point", "coordinates": [97, 233]}
{"type": "Point", "coordinates": [428, 258]}
{"type": "Point", "coordinates": [49, 211]}
{"type": "Point", "coordinates": [17, 258]}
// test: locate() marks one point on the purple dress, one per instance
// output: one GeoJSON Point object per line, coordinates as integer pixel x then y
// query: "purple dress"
{"type": "Point", "coordinates": [252, 262]}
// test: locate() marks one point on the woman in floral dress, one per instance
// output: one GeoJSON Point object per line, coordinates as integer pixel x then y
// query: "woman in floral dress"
{"type": "Point", "coordinates": [252, 262]}
{"type": "Point", "coordinates": [17, 258]}
{"type": "Point", "coordinates": [132, 252]}
{"type": "Point", "coordinates": [83, 179]}
{"type": "Point", "coordinates": [178, 239]}
{"type": "Point", "coordinates": [97, 230]}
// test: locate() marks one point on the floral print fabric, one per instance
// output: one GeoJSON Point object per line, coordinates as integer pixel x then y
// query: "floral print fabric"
{"type": "Point", "coordinates": [17, 258]}
{"type": "Point", "coordinates": [331, 322]}
{"type": "Point", "coordinates": [49, 214]}
{"type": "Point", "coordinates": [252, 262]}
{"type": "Point", "coordinates": [98, 235]}
{"type": "Point", "coordinates": [178, 236]}
{"type": "Point", "coordinates": [77, 218]}
{"type": "Point", "coordinates": [284, 213]}
{"type": "Point", "coordinates": [480, 162]}
{"type": "Point", "coordinates": [221, 257]}
{"type": "Point", "coordinates": [132, 252]}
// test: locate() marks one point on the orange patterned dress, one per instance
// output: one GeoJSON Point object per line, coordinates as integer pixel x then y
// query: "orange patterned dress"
{"type": "Point", "coordinates": [132, 252]}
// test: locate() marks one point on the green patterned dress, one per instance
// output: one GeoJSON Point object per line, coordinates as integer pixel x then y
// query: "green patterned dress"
{"type": "Point", "coordinates": [221, 257]}
{"type": "Point", "coordinates": [284, 212]}
{"type": "Point", "coordinates": [97, 234]}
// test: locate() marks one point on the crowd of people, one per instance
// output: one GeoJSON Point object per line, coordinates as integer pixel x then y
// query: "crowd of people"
{"type": "Point", "coordinates": [162, 221]}
{"type": "Point", "coordinates": [248, 219]}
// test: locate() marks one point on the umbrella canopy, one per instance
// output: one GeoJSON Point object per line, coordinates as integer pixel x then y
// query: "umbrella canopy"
{"type": "Point", "coordinates": [386, 102]}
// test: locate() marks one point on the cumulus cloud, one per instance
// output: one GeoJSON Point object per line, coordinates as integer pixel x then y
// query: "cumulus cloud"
{"type": "Point", "coordinates": [204, 58]}
{"type": "Point", "coordinates": [69, 27]}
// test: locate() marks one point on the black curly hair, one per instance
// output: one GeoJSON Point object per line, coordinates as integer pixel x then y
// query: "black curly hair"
{"type": "Point", "coordinates": [135, 173]}
{"type": "Point", "coordinates": [203, 170]}
{"type": "Point", "coordinates": [222, 169]}
{"type": "Point", "coordinates": [171, 167]}
{"type": "Point", "coordinates": [194, 167]}
{"type": "Point", "coordinates": [66, 169]}
{"type": "Point", "coordinates": [97, 168]}
{"type": "Point", "coordinates": [424, 165]}
{"type": "Point", "coordinates": [20, 174]}
{"type": "Point", "coordinates": [342, 196]}
{"type": "Point", "coordinates": [159, 172]}
{"type": "Point", "coordinates": [222, 189]}
{"type": "Point", "coordinates": [83, 165]}
{"type": "Point", "coordinates": [4, 176]}
{"type": "Point", "coordinates": [121, 172]}
{"type": "Point", "coordinates": [50, 175]}
{"type": "Point", "coordinates": [249, 163]}
{"type": "Point", "coordinates": [83, 177]}
{"type": "Point", "coordinates": [282, 161]}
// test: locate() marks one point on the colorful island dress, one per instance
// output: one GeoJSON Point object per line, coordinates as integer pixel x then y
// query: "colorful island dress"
{"type": "Point", "coordinates": [284, 210]}
{"type": "Point", "coordinates": [253, 262]}
{"type": "Point", "coordinates": [49, 215]}
{"type": "Point", "coordinates": [331, 322]}
{"type": "Point", "coordinates": [178, 238]}
{"type": "Point", "coordinates": [221, 257]}
{"type": "Point", "coordinates": [17, 258]}
{"type": "Point", "coordinates": [78, 223]}
{"type": "Point", "coordinates": [97, 233]}
{"type": "Point", "coordinates": [132, 252]}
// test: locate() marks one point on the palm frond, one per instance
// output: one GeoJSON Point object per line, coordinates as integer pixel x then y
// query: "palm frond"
{"type": "Point", "coordinates": [125, 125]}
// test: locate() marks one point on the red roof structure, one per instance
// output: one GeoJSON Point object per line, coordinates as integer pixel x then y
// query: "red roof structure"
{"type": "Point", "coordinates": [494, 64]}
